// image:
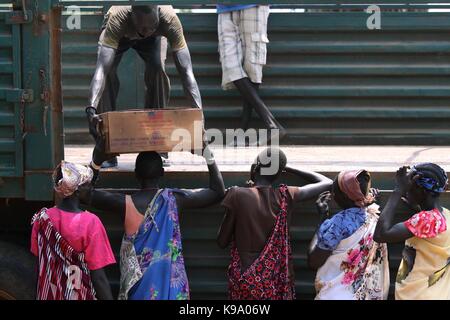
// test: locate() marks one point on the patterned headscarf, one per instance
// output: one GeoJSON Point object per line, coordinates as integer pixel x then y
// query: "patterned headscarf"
{"type": "Point", "coordinates": [349, 185]}
{"type": "Point", "coordinates": [73, 176]}
{"type": "Point", "coordinates": [431, 177]}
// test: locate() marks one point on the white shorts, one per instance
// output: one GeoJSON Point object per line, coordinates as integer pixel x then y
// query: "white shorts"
{"type": "Point", "coordinates": [243, 44]}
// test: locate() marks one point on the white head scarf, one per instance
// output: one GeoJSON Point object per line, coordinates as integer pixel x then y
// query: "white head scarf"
{"type": "Point", "coordinates": [73, 176]}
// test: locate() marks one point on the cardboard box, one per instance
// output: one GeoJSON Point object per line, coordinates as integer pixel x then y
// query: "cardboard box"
{"type": "Point", "coordinates": [161, 130]}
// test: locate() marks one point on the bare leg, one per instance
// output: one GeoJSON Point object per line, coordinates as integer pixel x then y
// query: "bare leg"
{"type": "Point", "coordinates": [250, 95]}
{"type": "Point", "coordinates": [246, 115]}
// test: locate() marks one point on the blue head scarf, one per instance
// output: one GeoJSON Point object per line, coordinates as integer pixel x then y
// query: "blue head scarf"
{"type": "Point", "coordinates": [432, 177]}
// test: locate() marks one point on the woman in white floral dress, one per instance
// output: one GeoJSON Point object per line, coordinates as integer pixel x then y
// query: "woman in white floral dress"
{"type": "Point", "coordinates": [351, 265]}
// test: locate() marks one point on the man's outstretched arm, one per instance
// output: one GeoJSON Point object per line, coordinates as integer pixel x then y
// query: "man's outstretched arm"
{"type": "Point", "coordinates": [183, 62]}
{"type": "Point", "coordinates": [105, 60]}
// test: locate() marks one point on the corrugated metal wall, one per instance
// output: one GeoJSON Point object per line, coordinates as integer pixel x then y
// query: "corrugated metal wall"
{"type": "Point", "coordinates": [11, 163]}
{"type": "Point", "coordinates": [329, 79]}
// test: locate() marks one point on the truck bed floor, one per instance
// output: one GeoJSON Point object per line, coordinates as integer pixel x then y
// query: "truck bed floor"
{"type": "Point", "coordinates": [321, 159]}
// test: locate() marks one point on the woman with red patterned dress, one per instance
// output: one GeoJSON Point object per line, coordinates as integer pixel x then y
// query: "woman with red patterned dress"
{"type": "Point", "coordinates": [256, 224]}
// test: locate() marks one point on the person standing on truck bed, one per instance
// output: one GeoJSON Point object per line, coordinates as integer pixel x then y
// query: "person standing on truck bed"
{"type": "Point", "coordinates": [151, 257]}
{"type": "Point", "coordinates": [256, 224]}
{"type": "Point", "coordinates": [242, 32]}
{"type": "Point", "coordinates": [146, 29]}
{"type": "Point", "coordinates": [71, 244]}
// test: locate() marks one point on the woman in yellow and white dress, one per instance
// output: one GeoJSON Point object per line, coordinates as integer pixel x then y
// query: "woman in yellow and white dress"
{"type": "Point", "coordinates": [424, 273]}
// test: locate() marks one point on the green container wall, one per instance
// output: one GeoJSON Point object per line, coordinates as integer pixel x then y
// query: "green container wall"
{"type": "Point", "coordinates": [329, 79]}
{"type": "Point", "coordinates": [31, 132]}
{"type": "Point", "coordinates": [11, 163]}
